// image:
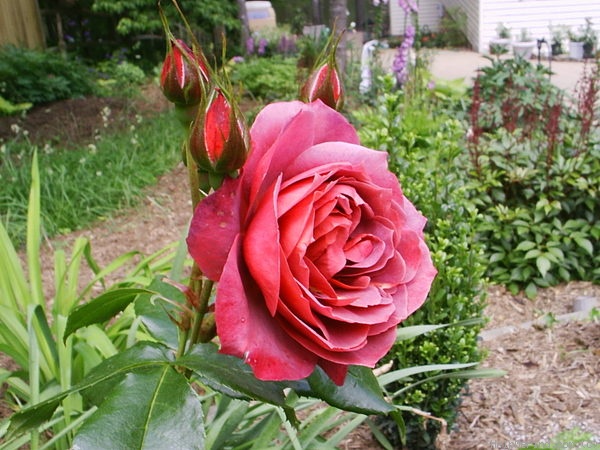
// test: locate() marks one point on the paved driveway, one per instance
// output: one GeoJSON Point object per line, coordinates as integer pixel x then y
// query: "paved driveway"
{"type": "Point", "coordinates": [454, 64]}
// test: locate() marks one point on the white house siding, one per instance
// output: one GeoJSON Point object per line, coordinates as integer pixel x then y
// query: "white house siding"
{"type": "Point", "coordinates": [534, 15]}
{"type": "Point", "coordinates": [483, 16]}
{"type": "Point", "coordinates": [430, 12]}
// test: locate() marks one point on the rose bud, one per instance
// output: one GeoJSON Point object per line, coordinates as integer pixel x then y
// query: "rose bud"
{"type": "Point", "coordinates": [183, 74]}
{"type": "Point", "coordinates": [218, 138]}
{"type": "Point", "coordinates": [324, 84]}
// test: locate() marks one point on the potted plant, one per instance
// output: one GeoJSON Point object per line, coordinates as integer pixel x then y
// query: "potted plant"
{"type": "Point", "coordinates": [558, 34]}
{"type": "Point", "coordinates": [524, 46]}
{"type": "Point", "coordinates": [589, 38]}
{"type": "Point", "coordinates": [501, 43]}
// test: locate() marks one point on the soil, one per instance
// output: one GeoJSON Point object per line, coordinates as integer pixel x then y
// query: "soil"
{"type": "Point", "coordinates": [552, 380]}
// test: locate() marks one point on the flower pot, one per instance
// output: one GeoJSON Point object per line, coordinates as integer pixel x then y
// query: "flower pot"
{"type": "Point", "coordinates": [523, 49]}
{"type": "Point", "coordinates": [576, 50]}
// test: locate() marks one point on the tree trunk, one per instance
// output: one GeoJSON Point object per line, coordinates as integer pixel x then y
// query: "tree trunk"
{"type": "Point", "coordinates": [339, 17]}
{"type": "Point", "coordinates": [243, 16]}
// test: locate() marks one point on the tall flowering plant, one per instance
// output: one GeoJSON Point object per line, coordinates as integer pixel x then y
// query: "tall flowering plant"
{"type": "Point", "coordinates": [306, 258]}
{"type": "Point", "coordinates": [401, 63]}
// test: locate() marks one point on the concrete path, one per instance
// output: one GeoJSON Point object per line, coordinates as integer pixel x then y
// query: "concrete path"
{"type": "Point", "coordinates": [454, 64]}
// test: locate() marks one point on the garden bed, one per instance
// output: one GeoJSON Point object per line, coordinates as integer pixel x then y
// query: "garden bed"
{"type": "Point", "coordinates": [553, 379]}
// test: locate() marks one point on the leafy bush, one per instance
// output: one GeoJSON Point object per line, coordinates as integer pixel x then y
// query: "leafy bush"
{"type": "Point", "coordinates": [536, 178]}
{"type": "Point", "coordinates": [513, 93]}
{"type": "Point", "coordinates": [423, 147]}
{"type": "Point", "coordinates": [452, 28]}
{"type": "Point", "coordinates": [41, 76]}
{"type": "Point", "coordinates": [267, 79]}
{"type": "Point", "coordinates": [120, 79]}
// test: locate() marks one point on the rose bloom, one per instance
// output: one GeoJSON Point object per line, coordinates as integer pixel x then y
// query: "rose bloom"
{"type": "Point", "coordinates": [318, 254]}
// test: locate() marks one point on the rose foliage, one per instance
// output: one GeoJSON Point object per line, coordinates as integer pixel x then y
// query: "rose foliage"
{"type": "Point", "coordinates": [318, 254]}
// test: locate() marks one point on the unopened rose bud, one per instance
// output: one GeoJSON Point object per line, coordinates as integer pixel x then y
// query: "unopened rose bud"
{"type": "Point", "coordinates": [218, 137]}
{"type": "Point", "coordinates": [324, 84]}
{"type": "Point", "coordinates": [183, 74]}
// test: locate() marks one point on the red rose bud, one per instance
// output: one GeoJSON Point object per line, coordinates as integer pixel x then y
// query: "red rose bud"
{"type": "Point", "coordinates": [183, 74]}
{"type": "Point", "coordinates": [218, 138]}
{"type": "Point", "coordinates": [324, 84]}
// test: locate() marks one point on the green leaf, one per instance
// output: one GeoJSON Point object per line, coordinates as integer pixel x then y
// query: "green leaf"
{"type": "Point", "coordinates": [397, 375]}
{"type": "Point", "coordinates": [100, 378]}
{"type": "Point", "coordinates": [543, 264]}
{"type": "Point", "coordinates": [531, 290]}
{"type": "Point", "coordinates": [526, 246]}
{"type": "Point", "coordinates": [585, 244]}
{"type": "Point", "coordinates": [102, 308]}
{"type": "Point", "coordinates": [532, 254]}
{"type": "Point", "coordinates": [154, 409]}
{"type": "Point", "coordinates": [360, 392]}
{"type": "Point", "coordinates": [409, 332]}
{"type": "Point", "coordinates": [230, 375]}
{"type": "Point", "coordinates": [34, 237]}
{"type": "Point", "coordinates": [223, 426]}
{"type": "Point", "coordinates": [495, 257]}
{"type": "Point", "coordinates": [154, 312]}
{"type": "Point", "coordinates": [463, 374]}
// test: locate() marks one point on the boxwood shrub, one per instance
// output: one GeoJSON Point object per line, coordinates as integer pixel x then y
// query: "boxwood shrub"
{"type": "Point", "coordinates": [423, 147]}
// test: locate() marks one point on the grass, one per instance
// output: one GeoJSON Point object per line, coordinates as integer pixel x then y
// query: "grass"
{"type": "Point", "coordinates": [83, 184]}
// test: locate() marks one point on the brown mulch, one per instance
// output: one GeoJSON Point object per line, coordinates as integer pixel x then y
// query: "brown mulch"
{"type": "Point", "coordinates": [552, 380]}
{"type": "Point", "coordinates": [553, 373]}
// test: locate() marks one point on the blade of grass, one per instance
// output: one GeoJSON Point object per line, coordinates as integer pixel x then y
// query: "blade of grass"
{"type": "Point", "coordinates": [13, 285]}
{"type": "Point", "coordinates": [34, 238]}
{"type": "Point", "coordinates": [397, 375]}
{"type": "Point", "coordinates": [34, 372]}
{"type": "Point", "coordinates": [73, 425]}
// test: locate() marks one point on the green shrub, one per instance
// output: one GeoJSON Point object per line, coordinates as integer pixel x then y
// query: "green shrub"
{"type": "Point", "coordinates": [452, 28]}
{"type": "Point", "coordinates": [31, 76]}
{"type": "Point", "coordinates": [535, 176]}
{"type": "Point", "coordinates": [423, 148]}
{"type": "Point", "coordinates": [513, 93]}
{"type": "Point", "coordinates": [120, 79]}
{"type": "Point", "coordinates": [267, 79]}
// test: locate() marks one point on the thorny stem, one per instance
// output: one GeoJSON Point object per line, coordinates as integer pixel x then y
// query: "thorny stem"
{"type": "Point", "coordinates": [197, 285]}
{"type": "Point", "coordinates": [196, 334]}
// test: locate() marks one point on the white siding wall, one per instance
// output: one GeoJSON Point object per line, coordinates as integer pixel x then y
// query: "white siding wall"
{"type": "Point", "coordinates": [534, 15]}
{"type": "Point", "coordinates": [483, 16]}
{"type": "Point", "coordinates": [430, 12]}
